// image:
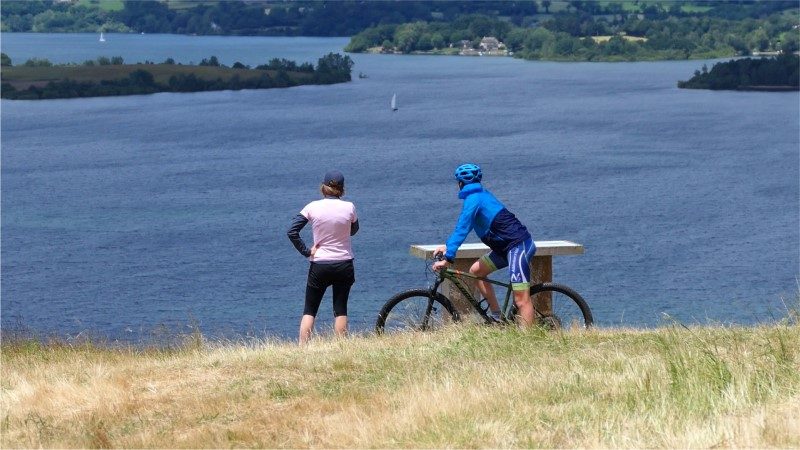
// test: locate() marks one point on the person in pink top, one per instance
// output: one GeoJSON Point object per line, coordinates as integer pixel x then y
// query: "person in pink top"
{"type": "Point", "coordinates": [333, 221]}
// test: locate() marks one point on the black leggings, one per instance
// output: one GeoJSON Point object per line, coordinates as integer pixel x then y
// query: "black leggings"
{"type": "Point", "coordinates": [340, 275]}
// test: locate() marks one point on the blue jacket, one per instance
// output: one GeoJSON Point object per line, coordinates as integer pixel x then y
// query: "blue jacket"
{"type": "Point", "coordinates": [496, 226]}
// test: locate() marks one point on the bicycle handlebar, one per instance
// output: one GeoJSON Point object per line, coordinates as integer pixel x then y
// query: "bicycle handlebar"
{"type": "Point", "coordinates": [438, 256]}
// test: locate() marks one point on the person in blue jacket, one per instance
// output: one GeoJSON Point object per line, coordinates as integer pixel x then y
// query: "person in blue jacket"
{"type": "Point", "coordinates": [510, 243]}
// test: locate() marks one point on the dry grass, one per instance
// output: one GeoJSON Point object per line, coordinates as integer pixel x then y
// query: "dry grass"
{"type": "Point", "coordinates": [463, 387]}
{"type": "Point", "coordinates": [22, 76]}
{"type": "Point", "coordinates": [600, 39]}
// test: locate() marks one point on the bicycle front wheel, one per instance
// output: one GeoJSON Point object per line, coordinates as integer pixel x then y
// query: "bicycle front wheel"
{"type": "Point", "coordinates": [415, 310]}
{"type": "Point", "coordinates": [558, 307]}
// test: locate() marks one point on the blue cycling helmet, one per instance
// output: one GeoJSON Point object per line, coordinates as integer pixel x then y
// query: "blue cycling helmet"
{"type": "Point", "coordinates": [468, 173]}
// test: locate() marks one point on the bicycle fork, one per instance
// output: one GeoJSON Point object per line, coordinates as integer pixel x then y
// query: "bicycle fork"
{"type": "Point", "coordinates": [429, 309]}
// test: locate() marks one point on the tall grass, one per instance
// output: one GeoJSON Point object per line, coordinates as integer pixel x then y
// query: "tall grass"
{"type": "Point", "coordinates": [466, 386]}
{"type": "Point", "coordinates": [22, 76]}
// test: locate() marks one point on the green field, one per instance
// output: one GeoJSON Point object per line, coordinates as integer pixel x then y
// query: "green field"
{"type": "Point", "coordinates": [635, 7]}
{"type": "Point", "coordinates": [187, 4]}
{"type": "Point", "coordinates": [695, 9]}
{"type": "Point", "coordinates": [105, 5]}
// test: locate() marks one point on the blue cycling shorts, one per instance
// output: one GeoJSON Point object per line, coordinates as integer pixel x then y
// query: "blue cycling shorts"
{"type": "Point", "coordinates": [518, 260]}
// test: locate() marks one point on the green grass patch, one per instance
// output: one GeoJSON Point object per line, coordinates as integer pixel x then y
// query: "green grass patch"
{"type": "Point", "coordinates": [105, 5]}
{"type": "Point", "coordinates": [628, 7]}
{"type": "Point", "coordinates": [636, 7]}
{"type": "Point", "coordinates": [696, 9]}
{"type": "Point", "coordinates": [188, 4]}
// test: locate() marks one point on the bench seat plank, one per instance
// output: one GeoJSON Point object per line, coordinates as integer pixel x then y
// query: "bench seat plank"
{"type": "Point", "coordinates": [477, 249]}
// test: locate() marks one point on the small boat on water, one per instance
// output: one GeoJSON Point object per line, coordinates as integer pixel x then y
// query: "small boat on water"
{"type": "Point", "coordinates": [102, 38]}
{"type": "Point", "coordinates": [394, 102]}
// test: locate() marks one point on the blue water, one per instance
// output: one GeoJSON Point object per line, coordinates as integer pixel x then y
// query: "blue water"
{"type": "Point", "coordinates": [129, 215]}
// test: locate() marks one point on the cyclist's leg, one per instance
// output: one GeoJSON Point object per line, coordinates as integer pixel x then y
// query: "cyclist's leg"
{"type": "Point", "coordinates": [519, 269]}
{"type": "Point", "coordinates": [485, 265]}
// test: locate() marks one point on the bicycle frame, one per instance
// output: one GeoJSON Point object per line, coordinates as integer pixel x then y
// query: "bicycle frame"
{"type": "Point", "coordinates": [454, 275]}
{"type": "Point", "coordinates": [405, 309]}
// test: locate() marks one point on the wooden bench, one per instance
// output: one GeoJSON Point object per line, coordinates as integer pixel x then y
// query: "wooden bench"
{"type": "Point", "coordinates": [541, 268]}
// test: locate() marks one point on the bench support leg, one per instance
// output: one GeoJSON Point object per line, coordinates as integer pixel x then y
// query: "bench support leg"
{"type": "Point", "coordinates": [460, 303]}
{"type": "Point", "coordinates": [542, 272]}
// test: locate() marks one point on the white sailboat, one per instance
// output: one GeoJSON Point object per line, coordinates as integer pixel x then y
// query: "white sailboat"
{"type": "Point", "coordinates": [394, 102]}
{"type": "Point", "coordinates": [102, 38]}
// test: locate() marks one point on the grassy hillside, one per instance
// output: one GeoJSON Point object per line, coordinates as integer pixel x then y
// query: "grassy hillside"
{"type": "Point", "coordinates": [463, 387]}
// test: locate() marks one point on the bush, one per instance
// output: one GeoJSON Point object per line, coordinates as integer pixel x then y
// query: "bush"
{"type": "Point", "coordinates": [38, 62]}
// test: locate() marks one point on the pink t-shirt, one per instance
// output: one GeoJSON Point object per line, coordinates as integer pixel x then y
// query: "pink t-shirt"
{"type": "Point", "coordinates": [330, 222]}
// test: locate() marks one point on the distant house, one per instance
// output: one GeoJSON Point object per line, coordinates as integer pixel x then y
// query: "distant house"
{"type": "Point", "coordinates": [490, 44]}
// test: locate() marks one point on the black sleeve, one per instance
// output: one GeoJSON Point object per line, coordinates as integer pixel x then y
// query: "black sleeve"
{"type": "Point", "coordinates": [354, 227]}
{"type": "Point", "coordinates": [298, 222]}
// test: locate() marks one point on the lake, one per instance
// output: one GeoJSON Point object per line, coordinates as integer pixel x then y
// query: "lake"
{"type": "Point", "coordinates": [133, 217]}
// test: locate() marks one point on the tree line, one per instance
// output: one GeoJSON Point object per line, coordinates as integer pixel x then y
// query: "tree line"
{"type": "Point", "coordinates": [577, 36]}
{"type": "Point", "coordinates": [779, 72]}
{"type": "Point", "coordinates": [278, 73]}
{"type": "Point", "coordinates": [339, 18]}
{"type": "Point", "coordinates": [278, 18]}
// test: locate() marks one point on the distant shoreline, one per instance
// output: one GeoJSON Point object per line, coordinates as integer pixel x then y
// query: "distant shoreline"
{"type": "Point", "coordinates": [776, 74]}
{"type": "Point", "coordinates": [769, 88]}
{"type": "Point", "coordinates": [40, 80]}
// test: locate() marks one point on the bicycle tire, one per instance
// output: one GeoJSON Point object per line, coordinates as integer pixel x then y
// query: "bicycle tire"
{"type": "Point", "coordinates": [569, 309]}
{"type": "Point", "coordinates": [406, 311]}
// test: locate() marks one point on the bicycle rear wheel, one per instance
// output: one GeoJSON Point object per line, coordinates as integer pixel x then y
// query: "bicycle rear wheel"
{"type": "Point", "coordinates": [569, 310]}
{"type": "Point", "coordinates": [415, 310]}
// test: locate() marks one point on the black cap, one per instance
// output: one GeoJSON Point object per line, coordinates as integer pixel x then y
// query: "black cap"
{"type": "Point", "coordinates": [334, 178]}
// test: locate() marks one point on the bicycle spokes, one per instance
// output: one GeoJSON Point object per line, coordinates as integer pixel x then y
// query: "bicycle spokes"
{"type": "Point", "coordinates": [560, 308]}
{"type": "Point", "coordinates": [413, 310]}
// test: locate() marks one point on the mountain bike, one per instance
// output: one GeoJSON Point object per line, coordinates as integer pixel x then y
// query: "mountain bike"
{"type": "Point", "coordinates": [428, 309]}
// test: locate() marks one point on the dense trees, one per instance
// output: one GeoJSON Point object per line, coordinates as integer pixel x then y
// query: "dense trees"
{"type": "Point", "coordinates": [347, 17]}
{"type": "Point", "coordinates": [580, 36]}
{"type": "Point", "coordinates": [779, 72]}
{"type": "Point", "coordinates": [307, 18]}
{"type": "Point", "coordinates": [568, 30]}
{"type": "Point", "coordinates": [333, 68]}
{"type": "Point", "coordinates": [54, 17]}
